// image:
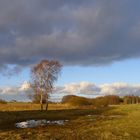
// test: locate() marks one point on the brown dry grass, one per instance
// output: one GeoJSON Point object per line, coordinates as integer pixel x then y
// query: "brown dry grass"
{"type": "Point", "coordinates": [120, 122]}
{"type": "Point", "coordinates": [31, 106]}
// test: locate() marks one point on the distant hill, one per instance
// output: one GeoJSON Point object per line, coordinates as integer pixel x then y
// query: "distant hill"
{"type": "Point", "coordinates": [100, 101]}
{"type": "Point", "coordinates": [75, 100]}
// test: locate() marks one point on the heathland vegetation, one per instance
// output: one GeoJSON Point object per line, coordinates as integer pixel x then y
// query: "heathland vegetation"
{"type": "Point", "coordinates": [117, 122]}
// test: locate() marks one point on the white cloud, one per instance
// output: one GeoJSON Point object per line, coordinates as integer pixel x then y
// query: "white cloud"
{"type": "Point", "coordinates": [77, 88]}
{"type": "Point", "coordinates": [25, 86]}
{"type": "Point", "coordinates": [85, 89]}
{"type": "Point", "coordinates": [120, 89]}
{"type": "Point", "coordinates": [15, 92]}
{"type": "Point", "coordinates": [92, 90]}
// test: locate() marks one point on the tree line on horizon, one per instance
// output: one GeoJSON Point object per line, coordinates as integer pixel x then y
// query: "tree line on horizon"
{"type": "Point", "coordinates": [83, 101]}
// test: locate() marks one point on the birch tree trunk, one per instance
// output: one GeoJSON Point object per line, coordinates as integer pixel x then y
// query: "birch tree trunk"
{"type": "Point", "coordinates": [41, 101]}
{"type": "Point", "coordinates": [46, 102]}
{"type": "Point", "coordinates": [46, 105]}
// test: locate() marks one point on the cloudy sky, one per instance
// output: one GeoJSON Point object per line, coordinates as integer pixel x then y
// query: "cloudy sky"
{"type": "Point", "coordinates": [97, 42]}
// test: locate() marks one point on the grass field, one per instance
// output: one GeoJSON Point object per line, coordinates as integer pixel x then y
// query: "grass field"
{"type": "Point", "coordinates": [111, 123]}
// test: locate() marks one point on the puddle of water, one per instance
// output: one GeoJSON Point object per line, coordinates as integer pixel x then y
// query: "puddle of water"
{"type": "Point", "coordinates": [92, 115]}
{"type": "Point", "coordinates": [89, 115]}
{"type": "Point", "coordinates": [35, 123]}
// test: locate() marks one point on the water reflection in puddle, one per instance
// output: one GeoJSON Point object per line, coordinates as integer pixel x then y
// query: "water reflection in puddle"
{"type": "Point", "coordinates": [35, 123]}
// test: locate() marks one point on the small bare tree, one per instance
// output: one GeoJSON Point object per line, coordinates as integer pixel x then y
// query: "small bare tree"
{"type": "Point", "coordinates": [44, 74]}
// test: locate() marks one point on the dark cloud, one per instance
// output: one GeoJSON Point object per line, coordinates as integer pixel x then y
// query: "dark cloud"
{"type": "Point", "coordinates": [76, 32]}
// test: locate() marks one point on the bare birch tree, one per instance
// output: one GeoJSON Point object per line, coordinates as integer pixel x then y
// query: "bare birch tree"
{"type": "Point", "coordinates": [44, 74]}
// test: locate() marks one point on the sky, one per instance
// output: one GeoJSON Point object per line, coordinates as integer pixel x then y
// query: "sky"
{"type": "Point", "coordinates": [97, 42]}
